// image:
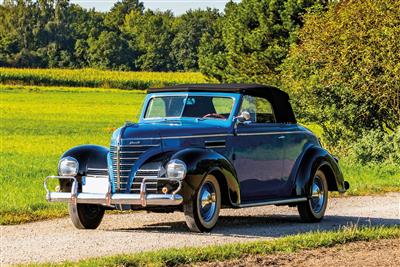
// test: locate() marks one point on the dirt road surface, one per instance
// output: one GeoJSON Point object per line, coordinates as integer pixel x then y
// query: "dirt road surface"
{"type": "Point", "coordinates": [57, 240]}
{"type": "Point", "coordinates": [385, 253]}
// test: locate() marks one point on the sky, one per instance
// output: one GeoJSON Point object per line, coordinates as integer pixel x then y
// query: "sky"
{"type": "Point", "coordinates": [176, 6]}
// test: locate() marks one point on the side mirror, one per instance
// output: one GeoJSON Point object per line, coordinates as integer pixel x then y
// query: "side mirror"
{"type": "Point", "coordinates": [244, 116]}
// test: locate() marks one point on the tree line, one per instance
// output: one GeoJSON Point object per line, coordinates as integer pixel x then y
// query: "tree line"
{"type": "Point", "coordinates": [59, 34]}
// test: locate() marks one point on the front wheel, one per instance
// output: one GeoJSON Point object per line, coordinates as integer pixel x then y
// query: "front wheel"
{"type": "Point", "coordinates": [86, 216]}
{"type": "Point", "coordinates": [314, 209]}
{"type": "Point", "coordinates": [202, 211]}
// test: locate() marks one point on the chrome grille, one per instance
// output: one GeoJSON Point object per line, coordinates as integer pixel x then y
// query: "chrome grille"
{"type": "Point", "coordinates": [151, 181]}
{"type": "Point", "coordinates": [94, 172]}
{"type": "Point", "coordinates": [123, 157]}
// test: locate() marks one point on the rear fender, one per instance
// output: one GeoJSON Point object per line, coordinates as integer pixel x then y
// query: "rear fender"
{"type": "Point", "coordinates": [313, 159]}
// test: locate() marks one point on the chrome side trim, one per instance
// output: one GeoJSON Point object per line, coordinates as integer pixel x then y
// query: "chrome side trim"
{"type": "Point", "coordinates": [270, 133]}
{"type": "Point", "coordinates": [215, 135]}
{"type": "Point", "coordinates": [273, 202]}
{"type": "Point", "coordinates": [181, 136]}
{"type": "Point", "coordinates": [196, 136]}
{"type": "Point", "coordinates": [144, 145]}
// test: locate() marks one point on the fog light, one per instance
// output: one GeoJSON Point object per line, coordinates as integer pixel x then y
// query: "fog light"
{"type": "Point", "coordinates": [68, 166]}
{"type": "Point", "coordinates": [164, 189]}
{"type": "Point", "coordinates": [176, 169]}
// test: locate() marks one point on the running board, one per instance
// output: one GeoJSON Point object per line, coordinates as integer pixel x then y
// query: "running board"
{"type": "Point", "coordinates": [272, 202]}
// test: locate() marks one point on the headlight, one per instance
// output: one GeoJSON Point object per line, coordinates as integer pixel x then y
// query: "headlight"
{"type": "Point", "coordinates": [176, 169]}
{"type": "Point", "coordinates": [68, 166]}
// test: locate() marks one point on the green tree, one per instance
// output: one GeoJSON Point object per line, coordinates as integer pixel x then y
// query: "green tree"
{"type": "Point", "coordinates": [189, 29]}
{"type": "Point", "coordinates": [212, 52]}
{"type": "Point", "coordinates": [256, 35]}
{"type": "Point", "coordinates": [109, 51]}
{"type": "Point", "coordinates": [116, 16]}
{"type": "Point", "coordinates": [153, 34]}
{"type": "Point", "coordinates": [345, 72]}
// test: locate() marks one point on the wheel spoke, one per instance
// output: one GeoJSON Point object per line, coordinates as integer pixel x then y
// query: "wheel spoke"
{"type": "Point", "coordinates": [317, 195]}
{"type": "Point", "coordinates": [208, 201]}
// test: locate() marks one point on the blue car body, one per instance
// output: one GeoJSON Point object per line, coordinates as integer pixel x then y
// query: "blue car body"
{"type": "Point", "coordinates": [255, 163]}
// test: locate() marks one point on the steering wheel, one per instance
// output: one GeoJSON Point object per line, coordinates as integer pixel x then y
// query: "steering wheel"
{"type": "Point", "coordinates": [214, 115]}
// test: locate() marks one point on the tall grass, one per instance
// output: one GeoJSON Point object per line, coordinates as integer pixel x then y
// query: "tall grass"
{"type": "Point", "coordinates": [97, 78]}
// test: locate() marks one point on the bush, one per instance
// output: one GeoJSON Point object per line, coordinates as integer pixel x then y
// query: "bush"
{"type": "Point", "coordinates": [345, 72]}
{"type": "Point", "coordinates": [376, 146]}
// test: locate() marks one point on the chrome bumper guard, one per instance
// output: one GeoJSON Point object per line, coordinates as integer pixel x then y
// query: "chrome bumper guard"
{"type": "Point", "coordinates": [110, 199]}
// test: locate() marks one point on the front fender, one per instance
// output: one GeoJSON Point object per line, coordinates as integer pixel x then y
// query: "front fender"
{"type": "Point", "coordinates": [199, 163]}
{"type": "Point", "coordinates": [313, 159]}
{"type": "Point", "coordinates": [88, 156]}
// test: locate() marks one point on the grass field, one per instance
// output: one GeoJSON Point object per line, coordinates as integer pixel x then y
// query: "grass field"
{"type": "Point", "coordinates": [39, 123]}
{"type": "Point", "coordinates": [37, 126]}
{"type": "Point", "coordinates": [97, 78]}
{"type": "Point", "coordinates": [289, 244]}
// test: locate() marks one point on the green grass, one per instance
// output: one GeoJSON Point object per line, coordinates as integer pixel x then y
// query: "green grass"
{"type": "Point", "coordinates": [97, 78]}
{"type": "Point", "coordinates": [39, 123]}
{"type": "Point", "coordinates": [289, 244]}
{"type": "Point", "coordinates": [370, 179]}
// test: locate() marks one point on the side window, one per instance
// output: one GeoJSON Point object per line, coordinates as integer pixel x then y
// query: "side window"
{"type": "Point", "coordinates": [260, 109]}
{"type": "Point", "coordinates": [156, 108]}
{"type": "Point", "coordinates": [223, 105]}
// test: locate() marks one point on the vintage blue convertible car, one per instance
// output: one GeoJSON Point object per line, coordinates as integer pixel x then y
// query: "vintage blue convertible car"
{"type": "Point", "coordinates": [197, 149]}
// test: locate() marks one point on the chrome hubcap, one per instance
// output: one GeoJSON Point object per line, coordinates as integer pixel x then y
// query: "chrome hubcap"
{"type": "Point", "coordinates": [208, 201]}
{"type": "Point", "coordinates": [318, 195]}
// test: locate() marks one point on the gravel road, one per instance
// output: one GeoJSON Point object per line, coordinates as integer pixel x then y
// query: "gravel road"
{"type": "Point", "coordinates": [57, 240]}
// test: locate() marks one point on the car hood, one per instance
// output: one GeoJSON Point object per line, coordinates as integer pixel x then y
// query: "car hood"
{"type": "Point", "coordinates": [170, 129]}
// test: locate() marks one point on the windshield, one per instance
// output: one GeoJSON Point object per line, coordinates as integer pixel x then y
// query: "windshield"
{"type": "Point", "coordinates": [213, 107]}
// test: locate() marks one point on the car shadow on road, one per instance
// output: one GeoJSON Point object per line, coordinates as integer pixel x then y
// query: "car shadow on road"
{"type": "Point", "coordinates": [264, 226]}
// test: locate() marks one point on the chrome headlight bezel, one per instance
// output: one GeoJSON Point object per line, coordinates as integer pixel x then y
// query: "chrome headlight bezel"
{"type": "Point", "coordinates": [68, 166]}
{"type": "Point", "coordinates": [176, 169]}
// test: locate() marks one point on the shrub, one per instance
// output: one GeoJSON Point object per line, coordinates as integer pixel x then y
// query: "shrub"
{"type": "Point", "coordinates": [376, 146]}
{"type": "Point", "coordinates": [345, 72]}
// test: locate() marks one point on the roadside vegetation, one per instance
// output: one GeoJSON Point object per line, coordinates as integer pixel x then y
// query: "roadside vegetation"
{"type": "Point", "coordinates": [40, 122]}
{"type": "Point", "coordinates": [289, 244]}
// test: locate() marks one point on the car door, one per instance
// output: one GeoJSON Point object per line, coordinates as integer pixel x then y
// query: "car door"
{"type": "Point", "coordinates": [258, 152]}
{"type": "Point", "coordinates": [296, 141]}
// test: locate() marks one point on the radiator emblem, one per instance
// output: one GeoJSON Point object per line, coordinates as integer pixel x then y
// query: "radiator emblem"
{"type": "Point", "coordinates": [134, 142]}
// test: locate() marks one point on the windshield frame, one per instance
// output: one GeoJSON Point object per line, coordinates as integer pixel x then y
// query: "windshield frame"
{"type": "Point", "coordinates": [234, 96]}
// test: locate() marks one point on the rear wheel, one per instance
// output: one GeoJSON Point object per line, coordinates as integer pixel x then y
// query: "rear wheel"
{"type": "Point", "coordinates": [314, 209]}
{"type": "Point", "coordinates": [86, 216]}
{"type": "Point", "coordinates": [202, 212]}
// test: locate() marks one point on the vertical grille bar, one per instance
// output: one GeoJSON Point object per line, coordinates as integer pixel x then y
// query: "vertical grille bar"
{"type": "Point", "coordinates": [118, 168]}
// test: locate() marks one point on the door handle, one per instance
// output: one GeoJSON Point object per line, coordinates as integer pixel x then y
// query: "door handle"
{"type": "Point", "coordinates": [281, 137]}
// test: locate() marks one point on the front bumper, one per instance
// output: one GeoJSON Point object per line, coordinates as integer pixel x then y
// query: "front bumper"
{"type": "Point", "coordinates": [143, 199]}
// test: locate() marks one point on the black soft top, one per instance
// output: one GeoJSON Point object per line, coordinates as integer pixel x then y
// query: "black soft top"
{"type": "Point", "coordinates": [278, 98]}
